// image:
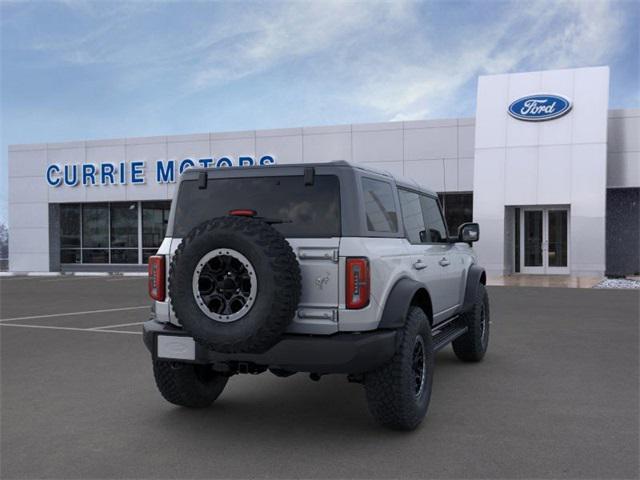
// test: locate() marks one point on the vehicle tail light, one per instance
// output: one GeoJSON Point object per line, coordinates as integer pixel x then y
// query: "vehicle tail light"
{"type": "Point", "coordinates": [156, 277]}
{"type": "Point", "coordinates": [242, 212]}
{"type": "Point", "coordinates": [357, 280]}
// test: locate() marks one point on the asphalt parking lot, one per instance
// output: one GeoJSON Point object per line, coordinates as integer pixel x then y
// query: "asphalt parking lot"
{"type": "Point", "coordinates": [556, 397]}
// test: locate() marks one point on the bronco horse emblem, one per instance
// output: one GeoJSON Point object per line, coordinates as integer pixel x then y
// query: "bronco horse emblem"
{"type": "Point", "coordinates": [322, 281]}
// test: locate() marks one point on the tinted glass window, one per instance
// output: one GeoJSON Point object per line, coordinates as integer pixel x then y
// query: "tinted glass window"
{"type": "Point", "coordinates": [124, 225]}
{"type": "Point", "coordinates": [69, 226]}
{"type": "Point", "coordinates": [155, 216]}
{"type": "Point", "coordinates": [412, 215]}
{"type": "Point", "coordinates": [95, 256]}
{"type": "Point", "coordinates": [457, 208]}
{"type": "Point", "coordinates": [436, 231]}
{"type": "Point", "coordinates": [95, 225]}
{"type": "Point", "coordinates": [70, 255]}
{"type": "Point", "coordinates": [125, 255]}
{"type": "Point", "coordinates": [379, 206]}
{"type": "Point", "coordinates": [304, 210]}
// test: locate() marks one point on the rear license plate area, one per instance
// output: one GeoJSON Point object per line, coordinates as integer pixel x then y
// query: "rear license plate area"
{"type": "Point", "coordinates": [175, 347]}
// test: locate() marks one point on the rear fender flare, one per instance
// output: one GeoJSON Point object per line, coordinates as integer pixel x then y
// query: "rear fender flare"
{"type": "Point", "coordinates": [403, 294]}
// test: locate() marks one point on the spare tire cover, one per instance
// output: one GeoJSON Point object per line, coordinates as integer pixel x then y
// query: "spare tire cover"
{"type": "Point", "coordinates": [235, 284]}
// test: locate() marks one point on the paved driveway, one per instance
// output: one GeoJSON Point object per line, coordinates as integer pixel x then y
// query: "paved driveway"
{"type": "Point", "coordinates": [557, 397]}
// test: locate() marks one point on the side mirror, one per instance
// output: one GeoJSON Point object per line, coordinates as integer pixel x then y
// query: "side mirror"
{"type": "Point", "coordinates": [469, 232]}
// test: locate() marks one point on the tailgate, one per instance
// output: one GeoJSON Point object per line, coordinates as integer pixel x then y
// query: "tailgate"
{"type": "Point", "coordinates": [318, 309]}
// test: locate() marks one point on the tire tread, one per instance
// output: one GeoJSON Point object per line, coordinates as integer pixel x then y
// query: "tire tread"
{"type": "Point", "coordinates": [390, 402]}
{"type": "Point", "coordinates": [181, 385]}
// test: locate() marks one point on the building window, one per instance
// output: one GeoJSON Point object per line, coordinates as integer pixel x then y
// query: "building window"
{"type": "Point", "coordinates": [70, 234]}
{"type": "Point", "coordinates": [458, 209]}
{"type": "Point", "coordinates": [124, 232]}
{"type": "Point", "coordinates": [155, 216]}
{"type": "Point", "coordinates": [116, 233]}
{"type": "Point", "coordinates": [95, 233]}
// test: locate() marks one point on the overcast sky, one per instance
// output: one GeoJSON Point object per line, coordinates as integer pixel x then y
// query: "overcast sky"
{"type": "Point", "coordinates": [75, 70]}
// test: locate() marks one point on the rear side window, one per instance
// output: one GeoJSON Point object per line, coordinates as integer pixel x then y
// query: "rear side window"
{"type": "Point", "coordinates": [436, 231]}
{"type": "Point", "coordinates": [380, 208]}
{"type": "Point", "coordinates": [412, 216]}
{"type": "Point", "coordinates": [304, 210]}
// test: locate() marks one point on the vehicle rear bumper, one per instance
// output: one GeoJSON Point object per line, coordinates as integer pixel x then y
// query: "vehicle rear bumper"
{"type": "Point", "coordinates": [337, 353]}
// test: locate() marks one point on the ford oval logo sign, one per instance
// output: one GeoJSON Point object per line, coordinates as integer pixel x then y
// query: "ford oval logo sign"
{"type": "Point", "coordinates": [536, 108]}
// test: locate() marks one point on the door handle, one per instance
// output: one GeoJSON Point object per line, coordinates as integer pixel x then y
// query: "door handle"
{"type": "Point", "coordinates": [444, 262]}
{"type": "Point", "coordinates": [419, 265]}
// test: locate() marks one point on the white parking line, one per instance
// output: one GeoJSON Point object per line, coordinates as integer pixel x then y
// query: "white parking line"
{"type": "Point", "coordinates": [47, 327]}
{"type": "Point", "coordinates": [69, 278]}
{"type": "Point", "coordinates": [124, 279]}
{"type": "Point", "coordinates": [18, 279]}
{"type": "Point", "coordinates": [115, 326]}
{"type": "Point", "coordinates": [88, 312]}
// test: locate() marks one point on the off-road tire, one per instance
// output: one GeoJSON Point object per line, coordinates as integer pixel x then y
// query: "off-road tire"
{"type": "Point", "coordinates": [188, 385]}
{"type": "Point", "coordinates": [278, 279]}
{"type": "Point", "coordinates": [472, 346]}
{"type": "Point", "coordinates": [390, 390]}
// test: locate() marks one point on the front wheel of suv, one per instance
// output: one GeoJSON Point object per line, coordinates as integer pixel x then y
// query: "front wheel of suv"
{"type": "Point", "coordinates": [398, 394]}
{"type": "Point", "coordinates": [188, 385]}
{"type": "Point", "coordinates": [472, 346]}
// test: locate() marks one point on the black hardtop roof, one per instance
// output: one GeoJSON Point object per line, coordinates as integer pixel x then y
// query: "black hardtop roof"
{"type": "Point", "coordinates": [400, 181]}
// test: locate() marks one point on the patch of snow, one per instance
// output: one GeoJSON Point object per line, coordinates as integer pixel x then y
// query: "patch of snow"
{"type": "Point", "coordinates": [624, 283]}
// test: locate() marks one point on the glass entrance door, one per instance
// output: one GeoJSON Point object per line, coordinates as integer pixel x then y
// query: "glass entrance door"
{"type": "Point", "coordinates": [544, 240]}
{"type": "Point", "coordinates": [533, 239]}
{"type": "Point", "coordinates": [557, 241]}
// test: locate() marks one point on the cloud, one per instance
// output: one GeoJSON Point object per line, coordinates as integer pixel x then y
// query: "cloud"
{"type": "Point", "coordinates": [534, 35]}
{"type": "Point", "coordinates": [396, 59]}
{"type": "Point", "coordinates": [296, 30]}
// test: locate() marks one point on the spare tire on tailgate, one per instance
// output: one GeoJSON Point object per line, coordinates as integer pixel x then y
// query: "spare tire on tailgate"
{"type": "Point", "coordinates": [235, 284]}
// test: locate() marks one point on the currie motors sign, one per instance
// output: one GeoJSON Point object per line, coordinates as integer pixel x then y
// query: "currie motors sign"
{"type": "Point", "coordinates": [135, 172]}
{"type": "Point", "coordinates": [540, 107]}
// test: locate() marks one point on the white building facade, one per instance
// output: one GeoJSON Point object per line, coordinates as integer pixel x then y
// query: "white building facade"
{"type": "Point", "coordinates": [550, 173]}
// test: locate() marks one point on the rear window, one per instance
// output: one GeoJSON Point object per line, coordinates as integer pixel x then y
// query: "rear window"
{"type": "Point", "coordinates": [306, 210]}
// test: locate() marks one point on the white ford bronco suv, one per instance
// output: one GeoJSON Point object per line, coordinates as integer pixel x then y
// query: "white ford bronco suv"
{"type": "Point", "coordinates": [319, 268]}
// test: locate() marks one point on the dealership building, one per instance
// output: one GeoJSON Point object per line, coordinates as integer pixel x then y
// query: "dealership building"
{"type": "Point", "coordinates": [548, 170]}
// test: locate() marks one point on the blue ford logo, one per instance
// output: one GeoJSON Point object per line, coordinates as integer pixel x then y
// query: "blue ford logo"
{"type": "Point", "coordinates": [536, 108]}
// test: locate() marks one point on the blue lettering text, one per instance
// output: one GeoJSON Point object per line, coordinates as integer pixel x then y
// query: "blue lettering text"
{"type": "Point", "coordinates": [165, 174]}
{"type": "Point", "coordinates": [245, 161]}
{"type": "Point", "coordinates": [71, 175]}
{"type": "Point", "coordinates": [106, 173]}
{"type": "Point", "coordinates": [267, 160]}
{"type": "Point", "coordinates": [184, 164]}
{"type": "Point", "coordinates": [224, 162]}
{"type": "Point", "coordinates": [137, 172]}
{"type": "Point", "coordinates": [88, 174]}
{"type": "Point", "coordinates": [51, 180]}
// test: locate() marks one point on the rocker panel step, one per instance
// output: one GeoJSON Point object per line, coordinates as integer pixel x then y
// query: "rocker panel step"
{"type": "Point", "coordinates": [447, 335]}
